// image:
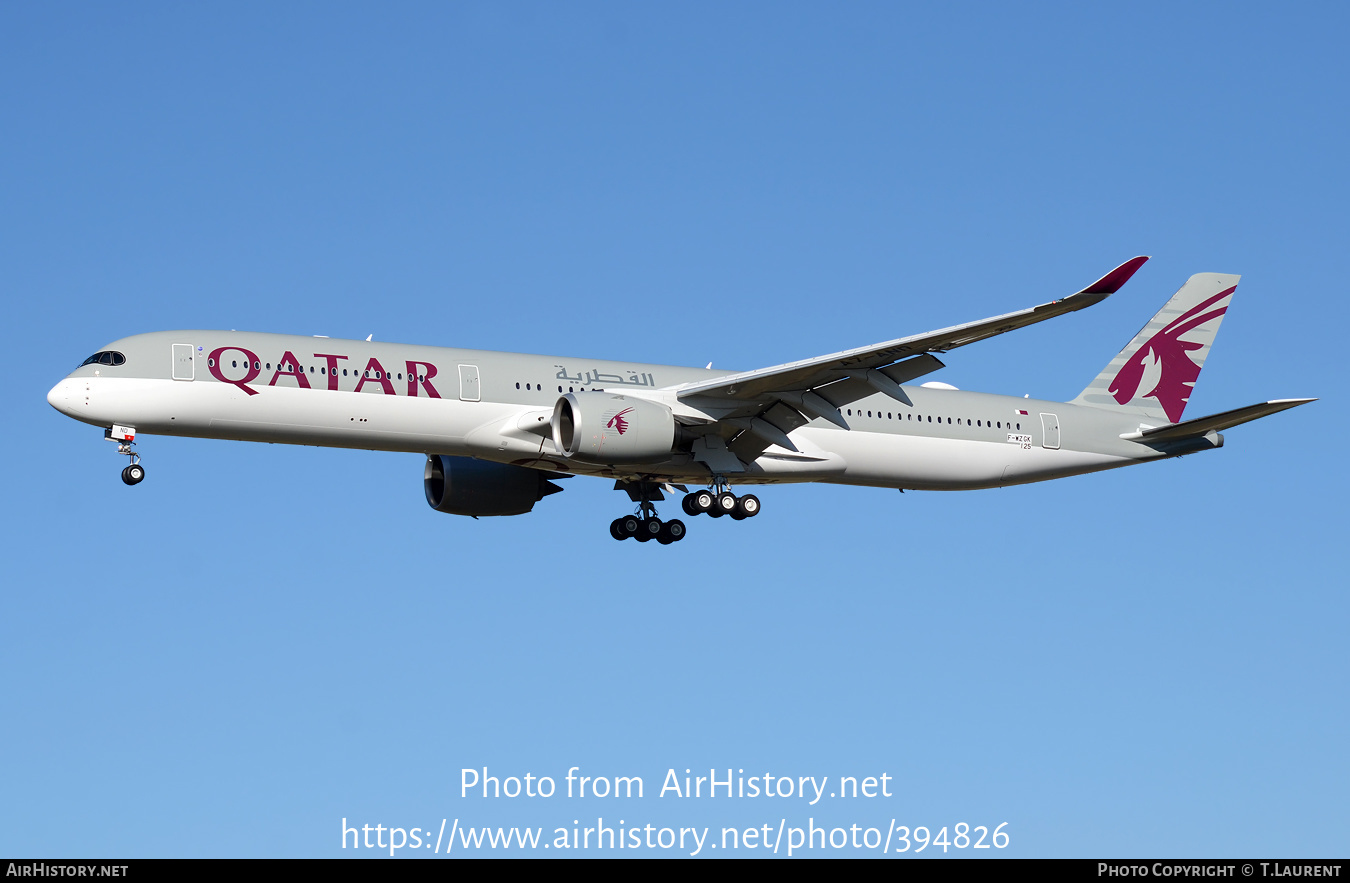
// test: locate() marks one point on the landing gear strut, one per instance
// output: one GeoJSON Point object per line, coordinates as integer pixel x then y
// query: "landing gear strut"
{"type": "Point", "coordinates": [645, 526]}
{"type": "Point", "coordinates": [125, 436]}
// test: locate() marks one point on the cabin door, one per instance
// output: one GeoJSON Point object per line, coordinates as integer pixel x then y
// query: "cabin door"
{"type": "Point", "coordinates": [468, 383]}
{"type": "Point", "coordinates": [1050, 431]}
{"type": "Point", "coordinates": [182, 361]}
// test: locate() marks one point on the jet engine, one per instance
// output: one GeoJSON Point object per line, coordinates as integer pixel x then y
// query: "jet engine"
{"type": "Point", "coordinates": [605, 427]}
{"type": "Point", "coordinates": [465, 486]}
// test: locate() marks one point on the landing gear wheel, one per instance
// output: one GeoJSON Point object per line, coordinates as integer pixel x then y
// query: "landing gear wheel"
{"type": "Point", "coordinates": [703, 501]}
{"type": "Point", "coordinates": [650, 529]}
{"type": "Point", "coordinates": [747, 506]}
{"type": "Point", "coordinates": [726, 503]}
{"type": "Point", "coordinates": [671, 532]}
{"type": "Point", "coordinates": [133, 474]}
{"type": "Point", "coordinates": [616, 530]}
{"type": "Point", "coordinates": [687, 504]}
{"type": "Point", "coordinates": [629, 526]}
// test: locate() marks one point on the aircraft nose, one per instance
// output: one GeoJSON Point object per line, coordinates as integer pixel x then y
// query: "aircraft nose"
{"type": "Point", "coordinates": [60, 397]}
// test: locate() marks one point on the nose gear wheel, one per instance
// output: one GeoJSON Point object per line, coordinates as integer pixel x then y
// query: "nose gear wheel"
{"type": "Point", "coordinates": [135, 473]}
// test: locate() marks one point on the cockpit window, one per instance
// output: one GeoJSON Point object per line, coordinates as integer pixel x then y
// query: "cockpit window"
{"type": "Point", "coordinates": [107, 357]}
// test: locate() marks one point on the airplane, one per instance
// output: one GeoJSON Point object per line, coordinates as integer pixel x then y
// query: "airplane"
{"type": "Point", "coordinates": [498, 429]}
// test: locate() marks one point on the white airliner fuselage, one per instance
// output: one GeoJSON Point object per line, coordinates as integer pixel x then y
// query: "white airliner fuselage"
{"type": "Point", "coordinates": [496, 426]}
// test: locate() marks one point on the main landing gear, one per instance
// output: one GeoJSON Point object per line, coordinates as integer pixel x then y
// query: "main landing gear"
{"type": "Point", "coordinates": [721, 503]}
{"type": "Point", "coordinates": [644, 525]}
{"type": "Point", "coordinates": [647, 527]}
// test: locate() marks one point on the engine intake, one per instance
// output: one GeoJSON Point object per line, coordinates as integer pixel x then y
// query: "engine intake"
{"type": "Point", "coordinates": [465, 486]}
{"type": "Point", "coordinates": [603, 427]}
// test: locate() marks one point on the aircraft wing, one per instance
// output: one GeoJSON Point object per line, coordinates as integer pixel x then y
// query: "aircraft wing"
{"type": "Point", "coordinates": [756, 409]}
{"type": "Point", "coordinates": [876, 364]}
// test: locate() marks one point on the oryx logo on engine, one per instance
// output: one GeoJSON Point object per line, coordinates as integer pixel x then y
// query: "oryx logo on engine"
{"type": "Point", "coordinates": [617, 422]}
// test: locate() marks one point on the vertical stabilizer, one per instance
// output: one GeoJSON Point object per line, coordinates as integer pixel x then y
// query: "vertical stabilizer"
{"type": "Point", "coordinates": [1155, 374]}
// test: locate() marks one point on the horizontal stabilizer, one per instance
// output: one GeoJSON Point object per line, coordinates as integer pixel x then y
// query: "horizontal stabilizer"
{"type": "Point", "coordinates": [1214, 422]}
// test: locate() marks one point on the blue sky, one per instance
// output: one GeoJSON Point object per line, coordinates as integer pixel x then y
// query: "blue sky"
{"type": "Point", "coordinates": [260, 641]}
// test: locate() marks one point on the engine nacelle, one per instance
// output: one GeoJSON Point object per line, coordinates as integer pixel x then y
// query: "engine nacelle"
{"type": "Point", "coordinates": [606, 427]}
{"type": "Point", "coordinates": [465, 486]}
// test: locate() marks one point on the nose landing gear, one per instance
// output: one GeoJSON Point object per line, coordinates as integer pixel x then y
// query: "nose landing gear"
{"type": "Point", "coordinates": [125, 436]}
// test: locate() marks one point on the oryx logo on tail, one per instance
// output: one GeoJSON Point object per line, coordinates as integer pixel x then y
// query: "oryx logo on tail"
{"type": "Point", "coordinates": [1154, 375]}
{"type": "Point", "coordinates": [1176, 372]}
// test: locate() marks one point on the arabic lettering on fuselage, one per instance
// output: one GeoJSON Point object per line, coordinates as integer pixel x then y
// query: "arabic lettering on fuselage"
{"type": "Point", "coordinates": [596, 377]}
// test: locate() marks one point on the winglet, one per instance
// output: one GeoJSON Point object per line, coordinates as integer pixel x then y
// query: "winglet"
{"type": "Point", "coordinates": [1113, 281]}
